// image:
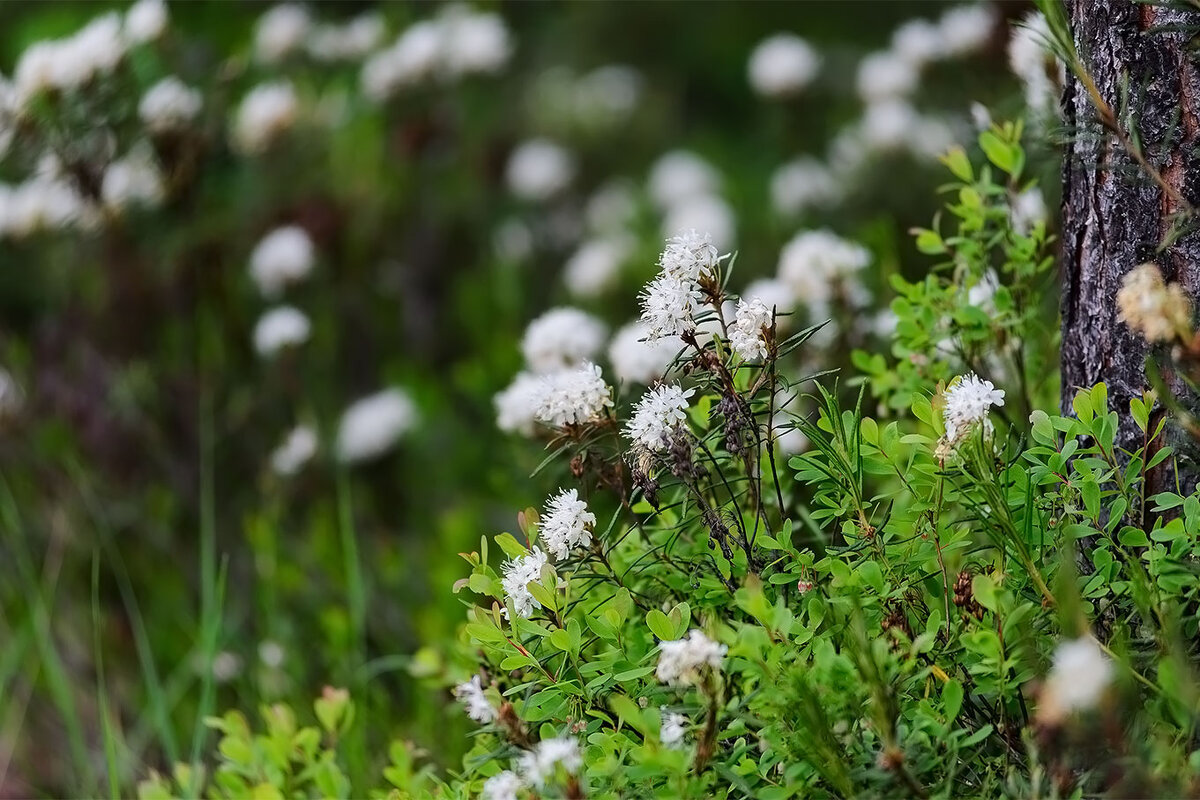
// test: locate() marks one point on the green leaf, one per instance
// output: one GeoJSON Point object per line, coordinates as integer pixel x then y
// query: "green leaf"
{"type": "Point", "coordinates": [952, 698]}
{"type": "Point", "coordinates": [660, 625]}
{"type": "Point", "coordinates": [984, 589]}
{"type": "Point", "coordinates": [509, 544]}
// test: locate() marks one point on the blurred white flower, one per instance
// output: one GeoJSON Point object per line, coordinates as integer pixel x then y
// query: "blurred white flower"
{"type": "Point", "coordinates": [281, 31]}
{"type": "Point", "coordinates": [968, 400]}
{"type": "Point", "coordinates": [816, 264]}
{"type": "Point", "coordinates": [43, 202]}
{"type": "Point", "coordinates": [1028, 208]}
{"type": "Point", "coordinates": [267, 111]}
{"type": "Point", "coordinates": [918, 42]}
{"type": "Point", "coordinates": [145, 21]}
{"type": "Point", "coordinates": [803, 184]}
{"type": "Point", "coordinates": [502, 786]}
{"type": "Point", "coordinates": [746, 336]}
{"type": "Point", "coordinates": [983, 292]}
{"type": "Point", "coordinates": [680, 661]}
{"type": "Point", "coordinates": [132, 180]}
{"type": "Point", "coordinates": [470, 694]}
{"type": "Point", "coordinates": [474, 43]}
{"type": "Point", "coordinates": [271, 653]}
{"type": "Point", "coordinates": [411, 59]}
{"type": "Point", "coordinates": [562, 337]}
{"type": "Point", "coordinates": [347, 42]}
{"type": "Point", "coordinates": [658, 418]}
{"type": "Point", "coordinates": [11, 396]}
{"type": "Point", "coordinates": [790, 439]}
{"type": "Point", "coordinates": [516, 576]}
{"type": "Point", "coordinates": [68, 63]}
{"type": "Point", "coordinates": [226, 666]}
{"type": "Point", "coordinates": [284, 256]}
{"type": "Point", "coordinates": [278, 328]}
{"type": "Point", "coordinates": [774, 294]}
{"type": "Point", "coordinates": [296, 450]}
{"type": "Point", "coordinates": [706, 213]}
{"type": "Point", "coordinates": [782, 65]}
{"type": "Point", "coordinates": [517, 404]}
{"type": "Point", "coordinates": [888, 124]}
{"type": "Point", "coordinates": [566, 524]}
{"type": "Point", "coordinates": [595, 265]}
{"type": "Point", "coordinates": [611, 209]}
{"type": "Point", "coordinates": [1031, 60]}
{"type": "Point", "coordinates": [636, 358]}
{"type": "Point", "coordinates": [372, 426]}
{"type": "Point", "coordinates": [573, 396]}
{"type": "Point", "coordinates": [966, 29]}
{"type": "Point", "coordinates": [884, 75]}
{"type": "Point", "coordinates": [672, 730]}
{"type": "Point", "coordinates": [539, 765]}
{"type": "Point", "coordinates": [169, 105]}
{"type": "Point", "coordinates": [607, 95]}
{"type": "Point", "coordinates": [1078, 679]}
{"type": "Point", "coordinates": [681, 175]}
{"type": "Point", "coordinates": [539, 169]}
{"type": "Point", "coordinates": [512, 240]}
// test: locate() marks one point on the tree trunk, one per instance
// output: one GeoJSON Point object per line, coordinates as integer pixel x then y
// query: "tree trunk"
{"type": "Point", "coordinates": [1116, 214]}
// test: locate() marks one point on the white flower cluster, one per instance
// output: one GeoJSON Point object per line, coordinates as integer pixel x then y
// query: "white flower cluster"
{"type": "Point", "coordinates": [283, 257]}
{"type": "Point", "coordinates": [1031, 60]}
{"type": "Point", "coordinates": [968, 401]}
{"type": "Point", "coordinates": [516, 577]}
{"type": "Point", "coordinates": [1078, 679]}
{"type": "Point", "coordinates": [637, 358]}
{"type": "Point", "coordinates": [782, 65]}
{"type": "Point", "coordinates": [671, 301]}
{"type": "Point", "coordinates": [457, 43]}
{"type": "Point", "coordinates": [562, 337]}
{"type": "Point", "coordinates": [539, 169]}
{"type": "Point", "coordinates": [685, 189]}
{"type": "Point", "coordinates": [169, 105]}
{"type": "Point", "coordinates": [803, 184]}
{"type": "Point", "coordinates": [1026, 209]}
{"type": "Point", "coordinates": [573, 396]}
{"type": "Point", "coordinates": [350, 41]}
{"type": "Point", "coordinates": [281, 31]}
{"type": "Point", "coordinates": [673, 729]}
{"type": "Point", "coordinates": [45, 201]}
{"type": "Point", "coordinates": [517, 404]}
{"type": "Point", "coordinates": [1158, 310]}
{"type": "Point", "coordinates": [479, 708]}
{"type": "Point", "coordinates": [595, 265]}
{"type": "Point", "coordinates": [68, 64]}
{"type": "Point", "coordinates": [598, 100]}
{"type": "Point", "coordinates": [539, 765]}
{"type": "Point", "coordinates": [567, 524]}
{"type": "Point", "coordinates": [681, 661]}
{"type": "Point", "coordinates": [287, 29]}
{"type": "Point", "coordinates": [11, 396]}
{"type": "Point", "coordinates": [296, 450]}
{"type": "Point", "coordinates": [658, 417]}
{"type": "Point", "coordinates": [503, 785]}
{"type": "Point", "coordinates": [747, 336]}
{"type": "Point", "coordinates": [371, 426]}
{"type": "Point", "coordinates": [145, 21]}
{"type": "Point", "coordinates": [280, 327]}
{"type": "Point", "coordinates": [132, 180]}
{"type": "Point", "coordinates": [266, 112]}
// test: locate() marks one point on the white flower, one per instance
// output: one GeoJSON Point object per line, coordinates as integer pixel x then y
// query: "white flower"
{"type": "Point", "coordinates": [539, 765]}
{"type": "Point", "coordinates": [883, 75]}
{"type": "Point", "coordinates": [512, 240]}
{"type": "Point", "coordinates": [132, 180]}
{"type": "Point", "coordinates": [280, 32]}
{"type": "Point", "coordinates": [673, 729]}
{"type": "Point", "coordinates": [689, 256]}
{"type": "Point", "coordinates": [1077, 681]}
{"type": "Point", "coordinates": [69, 63]}
{"type": "Point", "coordinates": [782, 65]}
{"type": "Point", "coordinates": [11, 396]}
{"type": "Point", "coordinates": [271, 653]}
{"type": "Point", "coordinates": [566, 524]}
{"type": "Point", "coordinates": [707, 213]}
{"type": "Point", "coordinates": [611, 209]}
{"type": "Point", "coordinates": [562, 337]}
{"type": "Point", "coordinates": [636, 358]}
{"type": "Point", "coordinates": [411, 59]}
{"type": "Point", "coordinates": [918, 42]}
{"type": "Point", "coordinates": [803, 184]}
{"type": "Point", "coordinates": [145, 21]}
{"type": "Point", "coordinates": [680, 175]}
{"type": "Point", "coordinates": [295, 451]}
{"type": "Point", "coordinates": [280, 327]}
{"type": "Point", "coordinates": [1157, 310]}
{"type": "Point", "coordinates": [669, 305]}
{"type": "Point", "coordinates": [517, 404]}
{"type": "Point", "coordinates": [658, 417]}
{"type": "Point", "coordinates": [774, 294]}
{"type": "Point", "coordinates": [473, 43]}
{"type": "Point", "coordinates": [966, 29]}
{"type": "Point", "coordinates": [283, 257]}
{"type": "Point", "coordinates": [680, 661]}
{"type": "Point", "coordinates": [372, 425]}
{"type": "Point", "coordinates": [44, 202]}
{"type": "Point", "coordinates": [968, 401]}
{"type": "Point", "coordinates": [517, 575]}
{"type": "Point", "coordinates": [814, 264]}
{"type": "Point", "coordinates": [594, 266]}
{"type": "Point", "coordinates": [1029, 57]}
{"type": "Point", "coordinates": [353, 40]}
{"type": "Point", "coordinates": [607, 95]}
{"type": "Point", "coordinates": [502, 786]}
{"type": "Point", "coordinates": [982, 294]}
{"type": "Point", "coordinates": [888, 124]}
{"type": "Point", "coordinates": [169, 105]}
{"type": "Point", "coordinates": [573, 396]}
{"type": "Point", "coordinates": [1027, 209]}
{"type": "Point", "coordinates": [266, 112]}
{"type": "Point", "coordinates": [470, 694]}
{"type": "Point", "coordinates": [539, 169]}
{"type": "Point", "coordinates": [226, 666]}
{"type": "Point", "coordinates": [746, 336]}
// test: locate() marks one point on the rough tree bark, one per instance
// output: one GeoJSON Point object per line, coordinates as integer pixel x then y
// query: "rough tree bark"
{"type": "Point", "coordinates": [1115, 213]}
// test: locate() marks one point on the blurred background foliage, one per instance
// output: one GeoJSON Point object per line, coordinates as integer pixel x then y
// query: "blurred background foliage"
{"type": "Point", "coordinates": [136, 476]}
